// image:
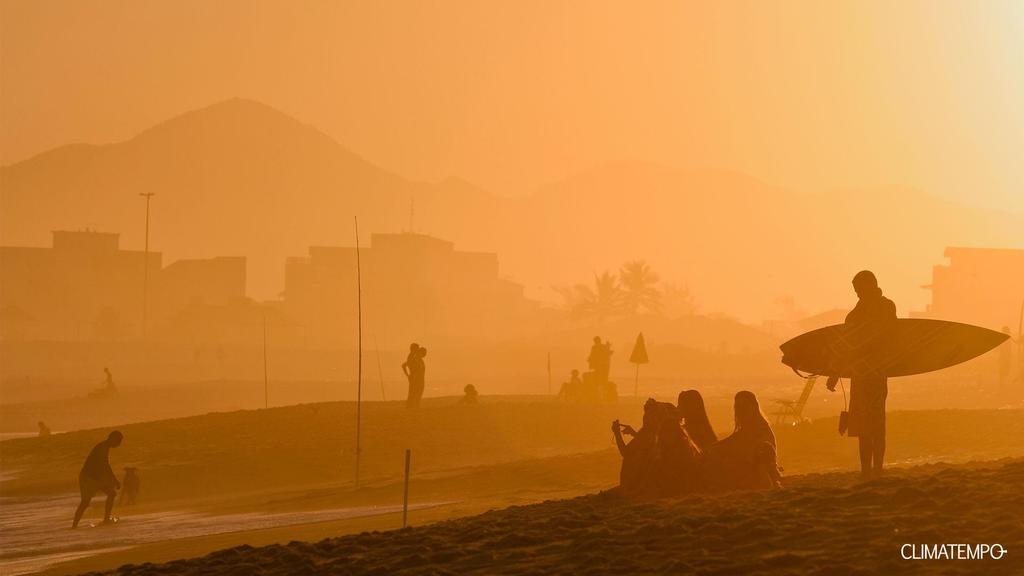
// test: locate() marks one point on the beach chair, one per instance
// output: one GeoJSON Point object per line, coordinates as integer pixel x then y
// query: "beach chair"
{"type": "Point", "coordinates": [794, 409]}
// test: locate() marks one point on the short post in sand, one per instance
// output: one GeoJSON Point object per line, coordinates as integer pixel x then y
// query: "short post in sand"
{"type": "Point", "coordinates": [638, 357]}
{"type": "Point", "coordinates": [405, 498]}
{"type": "Point", "coordinates": [1019, 379]}
{"type": "Point", "coordinates": [266, 385]}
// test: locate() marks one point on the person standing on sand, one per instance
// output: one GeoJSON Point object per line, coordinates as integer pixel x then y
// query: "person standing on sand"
{"type": "Point", "coordinates": [415, 369]}
{"type": "Point", "coordinates": [869, 327]}
{"type": "Point", "coordinates": [98, 476]}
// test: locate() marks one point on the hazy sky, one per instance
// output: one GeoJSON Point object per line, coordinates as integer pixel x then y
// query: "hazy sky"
{"type": "Point", "coordinates": [811, 95]}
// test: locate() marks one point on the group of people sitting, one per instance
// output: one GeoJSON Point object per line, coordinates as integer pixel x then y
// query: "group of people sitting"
{"type": "Point", "coordinates": [676, 451]}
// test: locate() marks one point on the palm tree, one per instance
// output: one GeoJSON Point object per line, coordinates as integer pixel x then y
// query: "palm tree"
{"type": "Point", "coordinates": [639, 287]}
{"type": "Point", "coordinates": [599, 302]}
{"type": "Point", "coordinates": [678, 301]}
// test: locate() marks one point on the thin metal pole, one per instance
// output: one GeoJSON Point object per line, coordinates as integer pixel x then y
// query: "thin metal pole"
{"type": "Point", "coordinates": [380, 371]}
{"type": "Point", "coordinates": [266, 385]}
{"type": "Point", "coordinates": [405, 498]}
{"type": "Point", "coordinates": [359, 335]}
{"type": "Point", "coordinates": [549, 373]}
{"type": "Point", "coordinates": [145, 265]}
{"type": "Point", "coordinates": [636, 382]}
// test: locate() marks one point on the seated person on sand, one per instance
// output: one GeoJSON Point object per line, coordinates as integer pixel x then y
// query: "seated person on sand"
{"type": "Point", "coordinates": [695, 419]}
{"type": "Point", "coordinates": [639, 454]}
{"type": "Point", "coordinates": [660, 460]}
{"type": "Point", "coordinates": [747, 458]}
{"type": "Point", "coordinates": [678, 468]}
{"type": "Point", "coordinates": [44, 430]}
{"type": "Point", "coordinates": [470, 397]}
{"type": "Point", "coordinates": [571, 390]}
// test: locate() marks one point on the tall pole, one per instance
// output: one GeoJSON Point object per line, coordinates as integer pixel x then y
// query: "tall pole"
{"type": "Point", "coordinates": [145, 265]}
{"type": "Point", "coordinates": [266, 386]}
{"type": "Point", "coordinates": [380, 371]}
{"type": "Point", "coordinates": [359, 337]}
{"type": "Point", "coordinates": [549, 373]}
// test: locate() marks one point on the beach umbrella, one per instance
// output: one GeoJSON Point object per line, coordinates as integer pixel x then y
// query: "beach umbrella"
{"type": "Point", "coordinates": [638, 357]}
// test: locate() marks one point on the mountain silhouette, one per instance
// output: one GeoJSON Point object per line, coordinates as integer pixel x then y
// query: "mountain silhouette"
{"type": "Point", "coordinates": [235, 178]}
{"type": "Point", "coordinates": [241, 178]}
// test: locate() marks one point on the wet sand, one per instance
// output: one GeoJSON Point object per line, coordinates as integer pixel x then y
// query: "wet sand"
{"type": "Point", "coordinates": [34, 533]}
{"type": "Point", "coordinates": [818, 524]}
{"type": "Point", "coordinates": [285, 465]}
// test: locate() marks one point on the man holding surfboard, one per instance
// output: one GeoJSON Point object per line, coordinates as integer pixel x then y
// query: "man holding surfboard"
{"type": "Point", "coordinates": [870, 347]}
{"type": "Point", "coordinates": [870, 327]}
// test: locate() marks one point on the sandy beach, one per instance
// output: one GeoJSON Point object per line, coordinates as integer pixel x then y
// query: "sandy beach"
{"type": "Point", "coordinates": [269, 477]}
{"type": "Point", "coordinates": [818, 524]}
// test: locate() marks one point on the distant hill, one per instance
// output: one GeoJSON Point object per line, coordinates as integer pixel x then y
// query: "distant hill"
{"type": "Point", "coordinates": [741, 244]}
{"type": "Point", "coordinates": [241, 178]}
{"type": "Point", "coordinates": [236, 178]}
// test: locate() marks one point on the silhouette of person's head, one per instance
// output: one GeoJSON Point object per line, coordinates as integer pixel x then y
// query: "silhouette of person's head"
{"type": "Point", "coordinates": [746, 409]}
{"type": "Point", "coordinates": [865, 284]}
{"type": "Point", "coordinates": [575, 373]}
{"type": "Point", "coordinates": [414, 347]}
{"type": "Point", "coordinates": [597, 340]}
{"type": "Point", "coordinates": [691, 404]}
{"type": "Point", "coordinates": [114, 439]}
{"type": "Point", "coordinates": [650, 414]}
{"type": "Point", "coordinates": [422, 352]}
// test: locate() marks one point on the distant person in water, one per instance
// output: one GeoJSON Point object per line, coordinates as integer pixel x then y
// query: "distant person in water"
{"type": "Point", "coordinates": [108, 389]}
{"type": "Point", "coordinates": [470, 395]}
{"type": "Point", "coordinates": [98, 476]}
{"type": "Point", "coordinates": [44, 430]}
{"type": "Point", "coordinates": [695, 419]}
{"type": "Point", "coordinates": [130, 486]}
{"type": "Point", "coordinates": [746, 459]}
{"type": "Point", "coordinates": [870, 326]}
{"type": "Point", "coordinates": [415, 371]}
{"type": "Point", "coordinates": [108, 382]}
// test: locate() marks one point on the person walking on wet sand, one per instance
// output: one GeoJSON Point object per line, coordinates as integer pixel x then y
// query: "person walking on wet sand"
{"type": "Point", "coordinates": [98, 476]}
{"type": "Point", "coordinates": [415, 369]}
{"type": "Point", "coordinates": [869, 326]}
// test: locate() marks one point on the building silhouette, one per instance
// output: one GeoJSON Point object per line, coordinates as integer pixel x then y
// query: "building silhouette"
{"type": "Point", "coordinates": [983, 286]}
{"type": "Point", "coordinates": [85, 287]}
{"type": "Point", "coordinates": [415, 287]}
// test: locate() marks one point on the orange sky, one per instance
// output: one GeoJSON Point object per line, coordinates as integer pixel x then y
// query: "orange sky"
{"type": "Point", "coordinates": [811, 95]}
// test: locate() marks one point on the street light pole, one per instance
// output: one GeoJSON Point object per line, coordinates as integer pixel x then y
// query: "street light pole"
{"type": "Point", "coordinates": [145, 266]}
